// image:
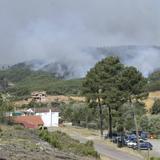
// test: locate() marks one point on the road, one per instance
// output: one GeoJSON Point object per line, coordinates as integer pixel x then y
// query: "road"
{"type": "Point", "coordinates": [103, 148]}
{"type": "Point", "coordinates": [156, 147]}
{"type": "Point", "coordinates": [115, 154]}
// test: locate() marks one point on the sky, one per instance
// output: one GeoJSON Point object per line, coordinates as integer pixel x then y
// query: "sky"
{"type": "Point", "coordinates": [61, 30]}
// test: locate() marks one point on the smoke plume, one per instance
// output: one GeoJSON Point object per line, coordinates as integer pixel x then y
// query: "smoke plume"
{"type": "Point", "coordinates": [60, 31]}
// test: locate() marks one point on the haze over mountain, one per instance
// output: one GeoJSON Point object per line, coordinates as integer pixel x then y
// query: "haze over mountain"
{"type": "Point", "coordinates": [145, 58]}
{"type": "Point", "coordinates": [66, 33]}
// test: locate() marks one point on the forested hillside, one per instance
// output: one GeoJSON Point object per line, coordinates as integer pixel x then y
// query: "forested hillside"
{"type": "Point", "coordinates": [154, 81]}
{"type": "Point", "coordinates": [19, 80]}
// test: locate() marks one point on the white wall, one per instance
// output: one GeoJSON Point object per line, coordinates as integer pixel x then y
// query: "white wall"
{"type": "Point", "coordinates": [50, 119]}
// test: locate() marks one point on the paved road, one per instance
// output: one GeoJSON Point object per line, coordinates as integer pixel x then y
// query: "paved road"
{"type": "Point", "coordinates": [156, 147]}
{"type": "Point", "coordinates": [114, 154]}
{"type": "Point", "coordinates": [107, 150]}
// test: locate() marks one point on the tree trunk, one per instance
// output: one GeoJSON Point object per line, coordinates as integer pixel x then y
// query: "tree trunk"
{"type": "Point", "coordinates": [100, 117]}
{"type": "Point", "coordinates": [137, 134]}
{"type": "Point", "coordinates": [86, 120]}
{"type": "Point", "coordinates": [135, 123]}
{"type": "Point", "coordinates": [110, 122]}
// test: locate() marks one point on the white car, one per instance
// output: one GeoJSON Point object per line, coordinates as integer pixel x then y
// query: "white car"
{"type": "Point", "coordinates": [131, 144]}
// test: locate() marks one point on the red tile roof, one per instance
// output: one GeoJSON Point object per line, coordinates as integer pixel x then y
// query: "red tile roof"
{"type": "Point", "coordinates": [29, 121]}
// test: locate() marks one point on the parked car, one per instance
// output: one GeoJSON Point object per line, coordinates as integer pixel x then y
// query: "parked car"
{"type": "Point", "coordinates": [130, 138]}
{"type": "Point", "coordinates": [131, 144]}
{"type": "Point", "coordinates": [144, 146]}
{"type": "Point", "coordinates": [142, 134]}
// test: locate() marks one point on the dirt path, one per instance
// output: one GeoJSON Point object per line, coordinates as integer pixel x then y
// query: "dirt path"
{"type": "Point", "coordinates": [105, 149]}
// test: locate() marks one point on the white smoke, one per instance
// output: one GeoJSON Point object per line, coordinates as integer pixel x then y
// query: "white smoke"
{"type": "Point", "coordinates": [61, 31]}
{"type": "Point", "coordinates": [146, 60]}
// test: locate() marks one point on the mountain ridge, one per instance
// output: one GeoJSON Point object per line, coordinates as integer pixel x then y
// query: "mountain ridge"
{"type": "Point", "coordinates": [137, 56]}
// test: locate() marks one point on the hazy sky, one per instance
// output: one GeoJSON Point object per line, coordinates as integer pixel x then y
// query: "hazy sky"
{"type": "Point", "coordinates": [59, 30]}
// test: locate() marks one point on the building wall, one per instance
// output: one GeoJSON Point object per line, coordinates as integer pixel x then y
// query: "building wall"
{"type": "Point", "coordinates": [50, 119]}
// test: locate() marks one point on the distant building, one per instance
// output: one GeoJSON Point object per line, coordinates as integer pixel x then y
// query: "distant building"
{"type": "Point", "coordinates": [40, 116]}
{"type": "Point", "coordinates": [39, 96]}
{"type": "Point", "coordinates": [50, 117]}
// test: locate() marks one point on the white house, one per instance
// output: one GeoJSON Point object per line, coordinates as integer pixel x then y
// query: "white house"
{"type": "Point", "coordinates": [50, 118]}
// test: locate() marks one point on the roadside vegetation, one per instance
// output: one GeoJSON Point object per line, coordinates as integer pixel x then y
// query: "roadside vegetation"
{"type": "Point", "coordinates": [115, 95]}
{"type": "Point", "coordinates": [18, 143]}
{"type": "Point", "coordinates": [64, 142]}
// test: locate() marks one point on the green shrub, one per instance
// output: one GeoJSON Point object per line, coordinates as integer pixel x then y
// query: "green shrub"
{"type": "Point", "coordinates": [156, 107]}
{"type": "Point", "coordinates": [1, 129]}
{"type": "Point", "coordinates": [92, 125]}
{"type": "Point", "coordinates": [64, 142]}
{"type": "Point", "coordinates": [44, 135]}
{"type": "Point", "coordinates": [18, 127]}
{"type": "Point", "coordinates": [82, 124]}
{"type": "Point", "coordinates": [89, 143]}
{"type": "Point", "coordinates": [55, 142]}
{"type": "Point", "coordinates": [152, 158]}
{"type": "Point", "coordinates": [89, 151]}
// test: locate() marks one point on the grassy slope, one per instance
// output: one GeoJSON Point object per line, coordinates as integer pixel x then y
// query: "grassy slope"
{"type": "Point", "coordinates": [151, 98]}
{"type": "Point", "coordinates": [65, 143]}
{"type": "Point", "coordinates": [18, 143]}
{"type": "Point", "coordinates": [52, 86]}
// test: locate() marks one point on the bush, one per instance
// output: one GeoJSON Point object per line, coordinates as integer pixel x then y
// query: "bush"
{"type": "Point", "coordinates": [55, 142]}
{"type": "Point", "coordinates": [152, 158]}
{"type": "Point", "coordinates": [89, 143]}
{"type": "Point", "coordinates": [150, 123]}
{"type": "Point", "coordinates": [82, 124]}
{"type": "Point", "coordinates": [89, 151]}
{"type": "Point", "coordinates": [1, 129]}
{"type": "Point", "coordinates": [64, 142]}
{"type": "Point", "coordinates": [154, 124]}
{"type": "Point", "coordinates": [156, 107]}
{"type": "Point", "coordinates": [19, 127]}
{"type": "Point", "coordinates": [92, 125]}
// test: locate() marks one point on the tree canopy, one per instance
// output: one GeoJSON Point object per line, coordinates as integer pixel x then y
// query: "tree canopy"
{"type": "Point", "coordinates": [110, 84]}
{"type": "Point", "coordinates": [5, 106]}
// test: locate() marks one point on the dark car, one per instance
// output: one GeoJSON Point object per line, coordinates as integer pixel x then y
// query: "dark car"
{"type": "Point", "coordinates": [144, 146]}
{"type": "Point", "coordinates": [142, 134]}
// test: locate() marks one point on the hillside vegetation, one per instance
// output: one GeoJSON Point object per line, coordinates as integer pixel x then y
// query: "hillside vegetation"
{"type": "Point", "coordinates": [151, 99]}
{"type": "Point", "coordinates": [65, 143]}
{"type": "Point", "coordinates": [18, 143]}
{"type": "Point", "coordinates": [154, 81]}
{"type": "Point", "coordinates": [20, 81]}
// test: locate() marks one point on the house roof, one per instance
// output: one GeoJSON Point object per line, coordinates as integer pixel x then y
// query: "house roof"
{"type": "Point", "coordinates": [29, 121]}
